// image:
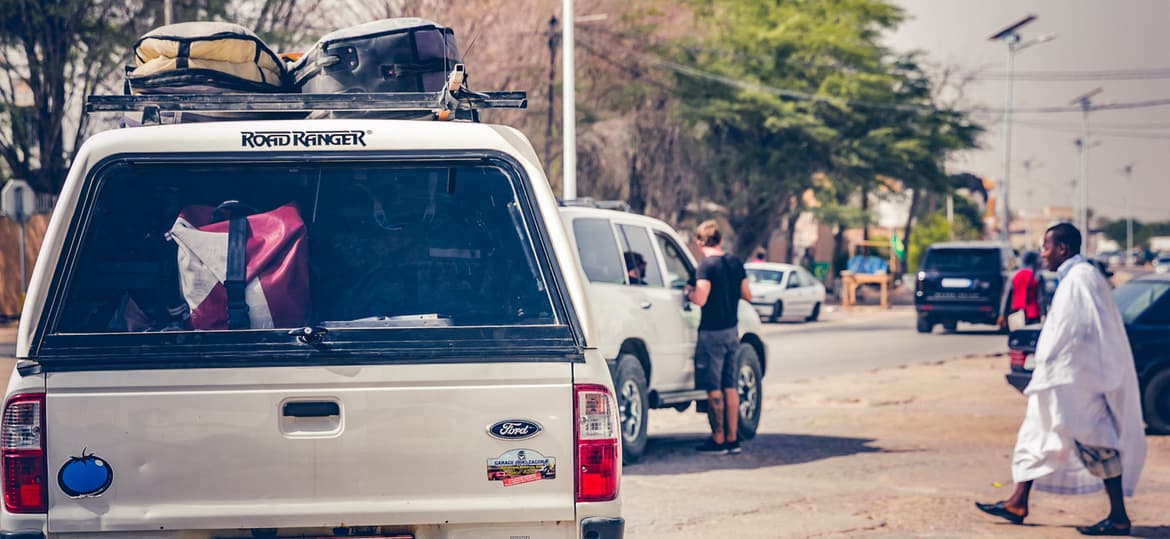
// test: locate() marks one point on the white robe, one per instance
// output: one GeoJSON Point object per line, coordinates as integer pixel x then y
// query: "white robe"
{"type": "Point", "coordinates": [1084, 389]}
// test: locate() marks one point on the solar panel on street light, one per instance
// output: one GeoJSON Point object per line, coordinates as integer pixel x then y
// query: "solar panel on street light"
{"type": "Point", "coordinates": [1011, 28]}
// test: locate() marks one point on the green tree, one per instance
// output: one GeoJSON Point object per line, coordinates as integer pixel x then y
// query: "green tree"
{"type": "Point", "coordinates": [935, 229]}
{"type": "Point", "coordinates": [804, 87]}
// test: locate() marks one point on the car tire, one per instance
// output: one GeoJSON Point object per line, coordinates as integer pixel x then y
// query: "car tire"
{"type": "Point", "coordinates": [950, 326]}
{"type": "Point", "coordinates": [750, 386]}
{"type": "Point", "coordinates": [777, 312]}
{"type": "Point", "coordinates": [925, 325]}
{"type": "Point", "coordinates": [630, 386]}
{"type": "Point", "coordinates": [1156, 402]}
{"type": "Point", "coordinates": [815, 314]}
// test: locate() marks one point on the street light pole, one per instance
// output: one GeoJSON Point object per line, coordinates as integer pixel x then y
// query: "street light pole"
{"type": "Point", "coordinates": [569, 108]}
{"type": "Point", "coordinates": [1005, 214]}
{"type": "Point", "coordinates": [1010, 35]}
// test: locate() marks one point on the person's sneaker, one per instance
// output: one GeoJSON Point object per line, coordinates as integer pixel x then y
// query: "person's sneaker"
{"type": "Point", "coordinates": [711, 448]}
{"type": "Point", "coordinates": [733, 448]}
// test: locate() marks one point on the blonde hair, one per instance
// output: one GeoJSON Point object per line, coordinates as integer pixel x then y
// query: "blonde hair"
{"type": "Point", "coordinates": [708, 233]}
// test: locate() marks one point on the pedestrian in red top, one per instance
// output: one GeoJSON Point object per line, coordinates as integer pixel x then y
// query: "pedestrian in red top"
{"type": "Point", "coordinates": [1026, 289]}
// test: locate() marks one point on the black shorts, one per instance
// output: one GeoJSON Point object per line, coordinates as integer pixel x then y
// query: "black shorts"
{"type": "Point", "coordinates": [716, 359]}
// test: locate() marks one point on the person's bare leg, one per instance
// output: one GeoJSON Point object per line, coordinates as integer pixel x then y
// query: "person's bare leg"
{"type": "Point", "coordinates": [732, 404]}
{"type": "Point", "coordinates": [715, 415]}
{"type": "Point", "coordinates": [1018, 502]}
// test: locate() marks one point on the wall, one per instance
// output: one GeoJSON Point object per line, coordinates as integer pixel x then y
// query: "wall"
{"type": "Point", "coordinates": [11, 296]}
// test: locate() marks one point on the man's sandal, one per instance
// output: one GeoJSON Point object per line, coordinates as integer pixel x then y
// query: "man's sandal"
{"type": "Point", "coordinates": [1000, 510]}
{"type": "Point", "coordinates": [1105, 527]}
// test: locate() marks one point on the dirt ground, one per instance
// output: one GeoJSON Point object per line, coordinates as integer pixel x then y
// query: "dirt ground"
{"type": "Point", "coordinates": [901, 452]}
{"type": "Point", "coordinates": [893, 453]}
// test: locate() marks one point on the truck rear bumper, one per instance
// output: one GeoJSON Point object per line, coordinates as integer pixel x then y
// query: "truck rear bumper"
{"type": "Point", "coordinates": [603, 528]}
{"type": "Point", "coordinates": [1019, 379]}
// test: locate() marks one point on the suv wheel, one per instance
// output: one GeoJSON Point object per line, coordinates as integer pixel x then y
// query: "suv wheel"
{"type": "Point", "coordinates": [777, 312]}
{"type": "Point", "coordinates": [751, 392]}
{"type": "Point", "coordinates": [1156, 402]}
{"type": "Point", "coordinates": [925, 325]}
{"type": "Point", "coordinates": [630, 385]}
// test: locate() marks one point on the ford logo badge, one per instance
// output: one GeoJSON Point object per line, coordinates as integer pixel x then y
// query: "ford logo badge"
{"type": "Point", "coordinates": [514, 429]}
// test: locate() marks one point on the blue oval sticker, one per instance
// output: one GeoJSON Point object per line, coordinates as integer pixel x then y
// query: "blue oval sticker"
{"type": "Point", "coordinates": [514, 429]}
{"type": "Point", "coordinates": [85, 476]}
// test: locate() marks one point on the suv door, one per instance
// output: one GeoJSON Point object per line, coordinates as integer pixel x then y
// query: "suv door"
{"type": "Point", "coordinates": [619, 309]}
{"type": "Point", "coordinates": [678, 270]}
{"type": "Point", "coordinates": [672, 367]}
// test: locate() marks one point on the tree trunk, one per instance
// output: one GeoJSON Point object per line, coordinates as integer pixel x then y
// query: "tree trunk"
{"type": "Point", "coordinates": [906, 231]}
{"type": "Point", "coordinates": [790, 236]}
{"type": "Point", "coordinates": [865, 213]}
{"type": "Point", "coordinates": [637, 198]}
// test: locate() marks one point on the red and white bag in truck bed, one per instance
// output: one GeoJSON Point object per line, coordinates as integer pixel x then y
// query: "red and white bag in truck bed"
{"type": "Point", "coordinates": [241, 271]}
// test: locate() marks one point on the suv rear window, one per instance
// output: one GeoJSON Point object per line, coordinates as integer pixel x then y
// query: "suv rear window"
{"type": "Point", "coordinates": [384, 246]}
{"type": "Point", "coordinates": [962, 260]}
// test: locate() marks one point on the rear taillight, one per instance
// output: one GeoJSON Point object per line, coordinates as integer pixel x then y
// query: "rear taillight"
{"type": "Point", "coordinates": [599, 466]}
{"type": "Point", "coordinates": [23, 448]}
{"type": "Point", "coordinates": [1018, 357]}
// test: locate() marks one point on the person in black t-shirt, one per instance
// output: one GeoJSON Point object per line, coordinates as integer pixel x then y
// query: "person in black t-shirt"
{"type": "Point", "coordinates": [720, 283]}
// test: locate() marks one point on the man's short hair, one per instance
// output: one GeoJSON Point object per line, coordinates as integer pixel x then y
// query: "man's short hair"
{"type": "Point", "coordinates": [708, 233]}
{"type": "Point", "coordinates": [1068, 235]}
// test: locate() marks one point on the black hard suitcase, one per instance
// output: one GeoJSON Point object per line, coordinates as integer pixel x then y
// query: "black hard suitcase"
{"type": "Point", "coordinates": [390, 55]}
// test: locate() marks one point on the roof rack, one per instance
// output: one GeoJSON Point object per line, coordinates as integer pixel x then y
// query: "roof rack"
{"type": "Point", "coordinates": [453, 102]}
{"type": "Point", "coordinates": [589, 202]}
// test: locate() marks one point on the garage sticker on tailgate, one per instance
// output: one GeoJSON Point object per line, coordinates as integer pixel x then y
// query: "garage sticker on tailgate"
{"type": "Point", "coordinates": [520, 466]}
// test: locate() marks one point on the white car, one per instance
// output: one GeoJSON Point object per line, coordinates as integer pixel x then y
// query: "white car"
{"type": "Point", "coordinates": [445, 380]}
{"type": "Point", "coordinates": [1162, 264]}
{"type": "Point", "coordinates": [785, 292]}
{"type": "Point", "coordinates": [636, 268]}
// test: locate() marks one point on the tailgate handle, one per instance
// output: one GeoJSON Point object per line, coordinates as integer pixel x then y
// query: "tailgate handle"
{"type": "Point", "coordinates": [311, 409]}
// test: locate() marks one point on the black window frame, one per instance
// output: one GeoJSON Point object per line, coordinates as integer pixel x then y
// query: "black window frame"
{"type": "Point", "coordinates": [562, 340]}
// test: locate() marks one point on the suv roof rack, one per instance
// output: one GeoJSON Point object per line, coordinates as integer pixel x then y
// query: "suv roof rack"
{"type": "Point", "coordinates": [453, 102]}
{"type": "Point", "coordinates": [589, 202]}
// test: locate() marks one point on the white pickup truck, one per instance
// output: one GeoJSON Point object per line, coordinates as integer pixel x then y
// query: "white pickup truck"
{"type": "Point", "coordinates": [442, 378]}
{"type": "Point", "coordinates": [647, 328]}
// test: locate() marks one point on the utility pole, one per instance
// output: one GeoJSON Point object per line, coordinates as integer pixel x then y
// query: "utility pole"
{"type": "Point", "coordinates": [554, 40]}
{"type": "Point", "coordinates": [1128, 170]}
{"type": "Point", "coordinates": [1028, 204]}
{"type": "Point", "coordinates": [1086, 104]}
{"type": "Point", "coordinates": [167, 12]}
{"type": "Point", "coordinates": [569, 108]}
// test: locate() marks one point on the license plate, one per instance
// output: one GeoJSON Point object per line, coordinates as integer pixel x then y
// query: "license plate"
{"type": "Point", "coordinates": [956, 283]}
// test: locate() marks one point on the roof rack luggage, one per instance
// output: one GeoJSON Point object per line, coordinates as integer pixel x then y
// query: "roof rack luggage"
{"type": "Point", "coordinates": [453, 102]}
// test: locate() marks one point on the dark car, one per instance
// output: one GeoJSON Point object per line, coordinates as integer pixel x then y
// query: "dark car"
{"type": "Point", "coordinates": [1145, 309]}
{"type": "Point", "coordinates": [962, 282]}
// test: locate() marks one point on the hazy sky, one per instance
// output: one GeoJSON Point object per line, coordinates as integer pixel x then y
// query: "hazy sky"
{"type": "Point", "coordinates": [1092, 36]}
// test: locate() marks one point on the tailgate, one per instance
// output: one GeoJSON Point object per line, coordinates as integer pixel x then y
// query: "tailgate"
{"type": "Point", "coordinates": [283, 447]}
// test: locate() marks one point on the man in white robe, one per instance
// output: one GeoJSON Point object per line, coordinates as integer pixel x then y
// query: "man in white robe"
{"type": "Point", "coordinates": [1083, 427]}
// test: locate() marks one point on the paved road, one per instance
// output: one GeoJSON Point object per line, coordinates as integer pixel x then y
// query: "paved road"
{"type": "Point", "coordinates": [845, 343]}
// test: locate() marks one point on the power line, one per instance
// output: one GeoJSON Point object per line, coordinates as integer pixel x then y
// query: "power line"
{"type": "Point", "coordinates": [794, 94]}
{"type": "Point", "coordinates": [1088, 75]}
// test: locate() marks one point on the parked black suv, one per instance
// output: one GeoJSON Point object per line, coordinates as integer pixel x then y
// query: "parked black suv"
{"type": "Point", "coordinates": [962, 282]}
{"type": "Point", "coordinates": [1145, 308]}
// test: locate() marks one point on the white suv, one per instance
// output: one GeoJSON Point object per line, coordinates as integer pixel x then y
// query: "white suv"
{"type": "Point", "coordinates": [441, 378]}
{"type": "Point", "coordinates": [646, 328]}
